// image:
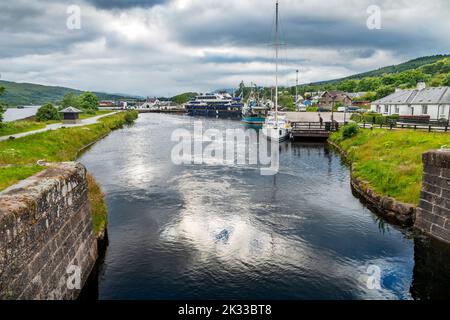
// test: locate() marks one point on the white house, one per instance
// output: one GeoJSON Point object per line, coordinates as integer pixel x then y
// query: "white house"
{"type": "Point", "coordinates": [434, 102]}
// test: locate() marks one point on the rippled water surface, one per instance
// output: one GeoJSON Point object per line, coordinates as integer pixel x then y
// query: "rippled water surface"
{"type": "Point", "coordinates": [13, 114]}
{"type": "Point", "coordinates": [205, 231]}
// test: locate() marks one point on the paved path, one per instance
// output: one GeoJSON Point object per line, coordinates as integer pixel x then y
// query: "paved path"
{"type": "Point", "coordinates": [56, 126]}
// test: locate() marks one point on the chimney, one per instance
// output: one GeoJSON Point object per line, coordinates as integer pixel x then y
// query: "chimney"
{"type": "Point", "coordinates": [421, 85]}
{"type": "Point", "coordinates": [398, 89]}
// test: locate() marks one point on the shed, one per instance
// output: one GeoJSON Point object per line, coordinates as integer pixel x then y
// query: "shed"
{"type": "Point", "coordinates": [71, 115]}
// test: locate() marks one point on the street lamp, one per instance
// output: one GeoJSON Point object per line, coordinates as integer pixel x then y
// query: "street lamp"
{"type": "Point", "coordinates": [345, 114]}
{"type": "Point", "coordinates": [296, 91]}
{"type": "Point", "coordinates": [333, 99]}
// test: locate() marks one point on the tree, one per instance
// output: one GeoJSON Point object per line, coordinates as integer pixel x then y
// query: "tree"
{"type": "Point", "coordinates": [369, 84]}
{"type": "Point", "coordinates": [411, 77]}
{"type": "Point", "coordinates": [88, 102]}
{"type": "Point", "coordinates": [388, 79]}
{"type": "Point", "coordinates": [446, 80]}
{"type": "Point", "coordinates": [184, 97]}
{"type": "Point", "coordinates": [348, 86]}
{"type": "Point", "coordinates": [47, 112]}
{"type": "Point", "coordinates": [287, 102]}
{"type": "Point", "coordinates": [2, 107]}
{"type": "Point", "coordinates": [384, 91]}
{"type": "Point", "coordinates": [69, 100]}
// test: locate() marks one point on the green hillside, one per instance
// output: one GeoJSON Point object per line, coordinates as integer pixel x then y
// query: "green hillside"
{"type": "Point", "coordinates": [409, 65]}
{"type": "Point", "coordinates": [434, 70]}
{"type": "Point", "coordinates": [183, 98]}
{"type": "Point", "coordinates": [35, 94]}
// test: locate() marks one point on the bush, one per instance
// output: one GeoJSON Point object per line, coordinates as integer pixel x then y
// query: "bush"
{"type": "Point", "coordinates": [2, 110]}
{"type": "Point", "coordinates": [88, 102]}
{"type": "Point", "coordinates": [47, 112]}
{"type": "Point", "coordinates": [130, 116]}
{"type": "Point", "coordinates": [350, 130]}
{"type": "Point", "coordinates": [370, 116]}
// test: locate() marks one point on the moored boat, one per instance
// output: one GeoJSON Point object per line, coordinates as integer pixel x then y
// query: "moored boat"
{"type": "Point", "coordinates": [255, 113]}
{"type": "Point", "coordinates": [276, 126]}
{"type": "Point", "coordinates": [215, 105]}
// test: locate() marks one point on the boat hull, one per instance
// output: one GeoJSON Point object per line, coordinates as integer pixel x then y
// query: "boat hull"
{"type": "Point", "coordinates": [217, 111]}
{"type": "Point", "coordinates": [253, 120]}
{"type": "Point", "coordinates": [279, 134]}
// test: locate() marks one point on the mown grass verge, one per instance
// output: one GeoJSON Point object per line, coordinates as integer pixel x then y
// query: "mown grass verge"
{"type": "Point", "coordinates": [19, 156]}
{"type": "Point", "coordinates": [9, 128]}
{"type": "Point", "coordinates": [30, 124]}
{"type": "Point", "coordinates": [390, 160]}
{"type": "Point", "coordinates": [13, 174]}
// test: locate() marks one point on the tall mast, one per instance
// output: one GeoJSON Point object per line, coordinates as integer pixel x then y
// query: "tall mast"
{"type": "Point", "coordinates": [296, 88]}
{"type": "Point", "coordinates": [276, 63]}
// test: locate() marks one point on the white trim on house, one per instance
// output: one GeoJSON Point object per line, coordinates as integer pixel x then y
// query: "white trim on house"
{"type": "Point", "coordinates": [434, 102]}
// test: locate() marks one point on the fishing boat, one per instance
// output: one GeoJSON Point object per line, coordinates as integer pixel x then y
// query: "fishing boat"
{"type": "Point", "coordinates": [255, 111]}
{"type": "Point", "coordinates": [276, 125]}
{"type": "Point", "coordinates": [215, 105]}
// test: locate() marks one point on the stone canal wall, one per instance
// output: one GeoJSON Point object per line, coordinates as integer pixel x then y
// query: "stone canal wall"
{"type": "Point", "coordinates": [394, 211]}
{"type": "Point", "coordinates": [433, 214]}
{"type": "Point", "coordinates": [47, 243]}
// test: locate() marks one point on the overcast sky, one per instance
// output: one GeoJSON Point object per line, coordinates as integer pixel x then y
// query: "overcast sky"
{"type": "Point", "coordinates": [159, 47]}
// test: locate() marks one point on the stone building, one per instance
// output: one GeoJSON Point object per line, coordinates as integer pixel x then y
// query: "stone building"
{"type": "Point", "coordinates": [329, 98]}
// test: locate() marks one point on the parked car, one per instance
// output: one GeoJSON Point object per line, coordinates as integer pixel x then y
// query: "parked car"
{"type": "Point", "coordinates": [301, 108]}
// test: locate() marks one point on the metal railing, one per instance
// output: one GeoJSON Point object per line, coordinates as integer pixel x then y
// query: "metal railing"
{"type": "Point", "coordinates": [413, 126]}
{"type": "Point", "coordinates": [315, 126]}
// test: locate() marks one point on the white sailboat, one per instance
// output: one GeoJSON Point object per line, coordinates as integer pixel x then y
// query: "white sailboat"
{"type": "Point", "coordinates": [276, 125]}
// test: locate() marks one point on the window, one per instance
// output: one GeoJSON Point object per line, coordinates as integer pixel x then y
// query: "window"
{"type": "Point", "coordinates": [386, 109]}
{"type": "Point", "coordinates": [442, 112]}
{"type": "Point", "coordinates": [424, 109]}
{"type": "Point", "coordinates": [378, 109]}
{"type": "Point", "coordinates": [397, 110]}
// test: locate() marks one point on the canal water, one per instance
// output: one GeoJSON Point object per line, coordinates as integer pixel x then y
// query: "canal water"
{"type": "Point", "coordinates": [13, 114]}
{"type": "Point", "coordinates": [204, 231]}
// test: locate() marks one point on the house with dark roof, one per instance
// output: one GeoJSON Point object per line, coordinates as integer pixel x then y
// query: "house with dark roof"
{"type": "Point", "coordinates": [329, 98]}
{"type": "Point", "coordinates": [71, 115]}
{"type": "Point", "coordinates": [422, 101]}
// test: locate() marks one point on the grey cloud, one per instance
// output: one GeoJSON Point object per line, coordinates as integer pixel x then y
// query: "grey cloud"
{"type": "Point", "coordinates": [121, 4]}
{"type": "Point", "coordinates": [327, 41]}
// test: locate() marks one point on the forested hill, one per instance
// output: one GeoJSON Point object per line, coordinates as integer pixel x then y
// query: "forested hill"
{"type": "Point", "coordinates": [409, 65]}
{"type": "Point", "coordinates": [434, 70]}
{"type": "Point", "coordinates": [35, 94]}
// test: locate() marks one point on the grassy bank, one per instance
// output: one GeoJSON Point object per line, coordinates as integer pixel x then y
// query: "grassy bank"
{"type": "Point", "coordinates": [14, 127]}
{"type": "Point", "coordinates": [390, 161]}
{"type": "Point", "coordinates": [97, 205]}
{"type": "Point", "coordinates": [18, 157]}
{"type": "Point", "coordinates": [30, 124]}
